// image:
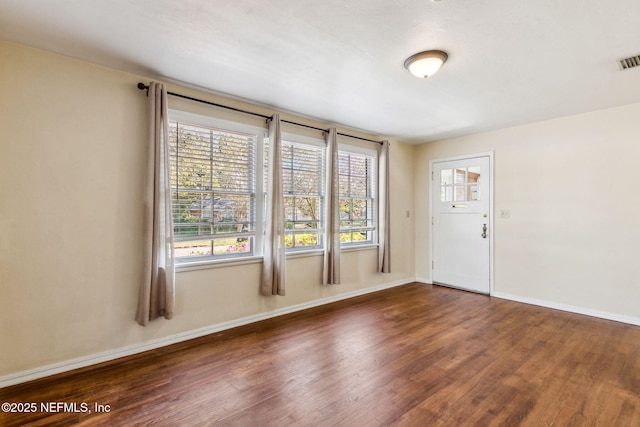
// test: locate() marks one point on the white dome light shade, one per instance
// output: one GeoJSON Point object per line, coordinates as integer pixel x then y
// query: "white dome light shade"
{"type": "Point", "coordinates": [425, 64]}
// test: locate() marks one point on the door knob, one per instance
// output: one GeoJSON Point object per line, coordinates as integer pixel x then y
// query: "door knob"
{"type": "Point", "coordinates": [484, 231]}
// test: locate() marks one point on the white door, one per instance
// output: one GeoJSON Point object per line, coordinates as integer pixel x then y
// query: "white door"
{"type": "Point", "coordinates": [461, 223]}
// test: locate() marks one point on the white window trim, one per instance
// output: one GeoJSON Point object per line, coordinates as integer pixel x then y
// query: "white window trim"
{"type": "Point", "coordinates": [302, 139]}
{"type": "Point", "coordinates": [373, 243]}
{"type": "Point", "coordinates": [358, 150]}
{"type": "Point", "coordinates": [258, 237]}
{"type": "Point", "coordinates": [216, 122]}
{"type": "Point", "coordinates": [230, 262]}
{"type": "Point", "coordinates": [301, 251]}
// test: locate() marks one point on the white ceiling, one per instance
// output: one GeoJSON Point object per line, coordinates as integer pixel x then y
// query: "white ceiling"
{"type": "Point", "coordinates": [510, 61]}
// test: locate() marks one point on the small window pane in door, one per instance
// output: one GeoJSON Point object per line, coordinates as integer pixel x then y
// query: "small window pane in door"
{"type": "Point", "coordinates": [473, 178]}
{"type": "Point", "coordinates": [446, 177]}
{"type": "Point", "coordinates": [459, 193]}
{"type": "Point", "coordinates": [446, 194]}
{"type": "Point", "coordinates": [474, 174]}
{"type": "Point", "coordinates": [473, 192]}
{"type": "Point", "coordinates": [460, 177]}
{"type": "Point", "coordinates": [446, 182]}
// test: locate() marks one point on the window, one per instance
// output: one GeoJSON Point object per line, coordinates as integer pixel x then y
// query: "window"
{"type": "Point", "coordinates": [218, 190]}
{"type": "Point", "coordinates": [460, 184]}
{"type": "Point", "coordinates": [356, 177]}
{"type": "Point", "coordinates": [218, 184]}
{"type": "Point", "coordinates": [303, 166]}
{"type": "Point", "coordinates": [213, 189]}
{"type": "Point", "coordinates": [303, 189]}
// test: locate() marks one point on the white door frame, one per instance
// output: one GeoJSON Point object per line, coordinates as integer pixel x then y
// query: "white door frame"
{"type": "Point", "coordinates": [491, 219]}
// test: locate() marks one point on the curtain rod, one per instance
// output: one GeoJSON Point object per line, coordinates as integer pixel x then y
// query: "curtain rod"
{"type": "Point", "coordinates": [142, 86]}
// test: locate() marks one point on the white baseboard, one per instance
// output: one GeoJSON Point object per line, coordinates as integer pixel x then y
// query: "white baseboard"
{"type": "Point", "coordinates": [81, 362]}
{"type": "Point", "coordinates": [570, 308]}
{"type": "Point", "coordinates": [426, 281]}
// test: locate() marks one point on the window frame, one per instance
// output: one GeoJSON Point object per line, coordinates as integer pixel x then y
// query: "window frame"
{"type": "Point", "coordinates": [372, 190]}
{"type": "Point", "coordinates": [293, 140]}
{"type": "Point", "coordinates": [256, 202]}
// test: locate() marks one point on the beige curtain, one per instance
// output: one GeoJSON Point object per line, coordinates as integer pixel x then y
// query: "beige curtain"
{"type": "Point", "coordinates": [157, 291]}
{"type": "Point", "coordinates": [331, 271]}
{"type": "Point", "coordinates": [384, 223]}
{"type": "Point", "coordinates": [273, 267]}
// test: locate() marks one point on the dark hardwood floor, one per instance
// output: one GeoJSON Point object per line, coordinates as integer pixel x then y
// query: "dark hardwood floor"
{"type": "Point", "coordinates": [413, 355]}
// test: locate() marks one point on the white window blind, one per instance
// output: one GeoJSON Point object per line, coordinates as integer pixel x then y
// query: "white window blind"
{"type": "Point", "coordinates": [213, 186]}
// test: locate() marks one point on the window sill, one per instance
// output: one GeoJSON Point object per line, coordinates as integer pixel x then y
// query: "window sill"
{"type": "Point", "coordinates": [303, 253]}
{"type": "Point", "coordinates": [205, 265]}
{"type": "Point", "coordinates": [355, 248]}
{"type": "Point", "coordinates": [209, 264]}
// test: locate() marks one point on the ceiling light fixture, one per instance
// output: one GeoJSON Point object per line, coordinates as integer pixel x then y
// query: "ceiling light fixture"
{"type": "Point", "coordinates": [425, 64]}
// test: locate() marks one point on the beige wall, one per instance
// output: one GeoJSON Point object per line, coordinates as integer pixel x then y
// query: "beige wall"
{"type": "Point", "coordinates": [71, 177]}
{"type": "Point", "coordinates": [573, 238]}
{"type": "Point", "coordinates": [71, 162]}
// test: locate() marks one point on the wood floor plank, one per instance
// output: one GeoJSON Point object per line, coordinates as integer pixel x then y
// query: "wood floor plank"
{"type": "Point", "coordinates": [413, 355]}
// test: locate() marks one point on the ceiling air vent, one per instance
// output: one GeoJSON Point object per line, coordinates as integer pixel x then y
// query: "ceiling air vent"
{"type": "Point", "coordinates": [633, 61]}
